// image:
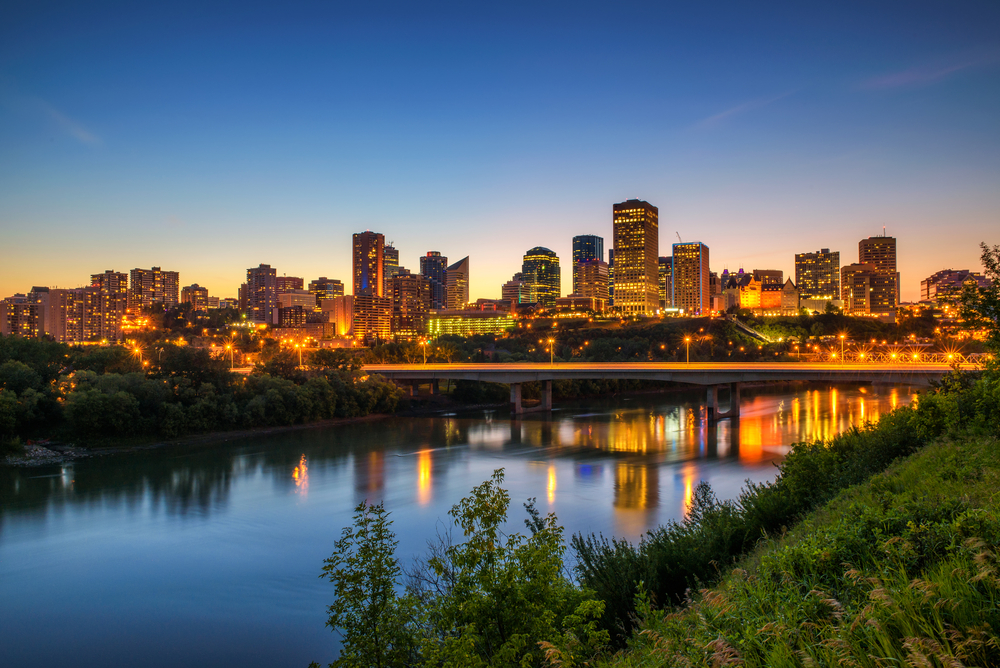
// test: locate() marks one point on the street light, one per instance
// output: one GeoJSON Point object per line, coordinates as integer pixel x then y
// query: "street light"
{"type": "Point", "coordinates": [232, 365]}
{"type": "Point", "coordinates": [687, 341]}
{"type": "Point", "coordinates": [298, 346]}
{"type": "Point", "coordinates": [423, 347]}
{"type": "Point", "coordinates": [552, 352]}
{"type": "Point", "coordinates": [842, 337]}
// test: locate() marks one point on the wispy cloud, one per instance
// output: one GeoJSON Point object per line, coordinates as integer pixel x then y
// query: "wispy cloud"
{"type": "Point", "coordinates": [929, 74]}
{"type": "Point", "coordinates": [715, 119]}
{"type": "Point", "coordinates": [68, 125]}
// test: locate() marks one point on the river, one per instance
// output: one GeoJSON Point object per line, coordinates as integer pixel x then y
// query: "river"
{"type": "Point", "coordinates": [209, 555]}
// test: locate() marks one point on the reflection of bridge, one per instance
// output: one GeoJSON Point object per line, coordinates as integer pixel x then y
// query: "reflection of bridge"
{"type": "Point", "coordinates": [712, 375]}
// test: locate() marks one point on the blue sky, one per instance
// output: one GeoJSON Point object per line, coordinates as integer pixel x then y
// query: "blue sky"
{"type": "Point", "coordinates": [208, 138]}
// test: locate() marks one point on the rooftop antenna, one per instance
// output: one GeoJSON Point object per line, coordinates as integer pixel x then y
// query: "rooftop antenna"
{"type": "Point", "coordinates": [883, 230]}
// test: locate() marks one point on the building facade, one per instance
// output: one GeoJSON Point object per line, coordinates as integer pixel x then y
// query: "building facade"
{"type": "Point", "coordinates": [368, 261]}
{"type": "Point", "coordinates": [112, 292]}
{"type": "Point", "coordinates": [390, 266]}
{"type": "Point", "coordinates": [457, 284]}
{"type": "Point", "coordinates": [289, 283]}
{"type": "Point", "coordinates": [636, 246]}
{"type": "Point", "coordinates": [817, 275]}
{"type": "Point", "coordinates": [691, 280]}
{"type": "Point", "coordinates": [592, 282]}
{"type": "Point", "coordinates": [946, 285]}
{"type": "Point", "coordinates": [540, 268]}
{"type": "Point", "coordinates": [261, 294]}
{"type": "Point", "coordinates": [666, 281]}
{"type": "Point", "coordinates": [153, 286]}
{"type": "Point", "coordinates": [411, 304]}
{"type": "Point", "coordinates": [196, 296]}
{"type": "Point", "coordinates": [880, 252]}
{"type": "Point", "coordinates": [325, 288]}
{"type": "Point", "coordinates": [434, 267]}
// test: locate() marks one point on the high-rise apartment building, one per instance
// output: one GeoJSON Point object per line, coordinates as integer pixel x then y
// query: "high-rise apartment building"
{"type": "Point", "coordinates": [817, 275]}
{"type": "Point", "coordinates": [112, 292]}
{"type": "Point", "coordinates": [691, 278]}
{"type": "Point", "coordinates": [636, 246]}
{"type": "Point", "coordinates": [880, 252]}
{"type": "Point", "coordinates": [665, 279]}
{"type": "Point", "coordinates": [196, 296]}
{"type": "Point", "coordinates": [153, 286]}
{"type": "Point", "coordinates": [261, 294]}
{"type": "Point", "coordinates": [611, 277]}
{"type": "Point", "coordinates": [434, 267]}
{"type": "Point", "coordinates": [325, 288]}
{"type": "Point", "coordinates": [369, 267]}
{"type": "Point", "coordinates": [411, 303]}
{"type": "Point", "coordinates": [289, 283]}
{"type": "Point", "coordinates": [540, 268]}
{"type": "Point", "coordinates": [457, 284]}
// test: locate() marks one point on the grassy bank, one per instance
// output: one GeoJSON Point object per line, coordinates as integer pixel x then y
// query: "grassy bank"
{"type": "Point", "coordinates": [899, 571]}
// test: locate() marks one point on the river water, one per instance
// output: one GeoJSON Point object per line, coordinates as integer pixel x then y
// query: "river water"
{"type": "Point", "coordinates": [210, 555]}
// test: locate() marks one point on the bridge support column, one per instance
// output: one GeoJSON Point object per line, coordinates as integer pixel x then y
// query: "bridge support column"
{"type": "Point", "coordinates": [515, 399]}
{"type": "Point", "coordinates": [435, 387]}
{"type": "Point", "coordinates": [547, 396]}
{"type": "Point", "coordinates": [712, 403]}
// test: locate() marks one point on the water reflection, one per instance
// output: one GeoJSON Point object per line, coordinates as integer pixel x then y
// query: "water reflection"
{"type": "Point", "coordinates": [300, 474]}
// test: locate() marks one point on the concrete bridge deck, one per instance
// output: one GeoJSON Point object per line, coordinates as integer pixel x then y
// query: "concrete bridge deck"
{"type": "Point", "coordinates": [712, 375]}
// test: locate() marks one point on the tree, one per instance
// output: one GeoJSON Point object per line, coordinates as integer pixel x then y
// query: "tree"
{"type": "Point", "coordinates": [372, 619]}
{"type": "Point", "coordinates": [980, 307]}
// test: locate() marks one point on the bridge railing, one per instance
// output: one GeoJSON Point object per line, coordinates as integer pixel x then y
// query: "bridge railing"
{"type": "Point", "coordinates": [901, 357]}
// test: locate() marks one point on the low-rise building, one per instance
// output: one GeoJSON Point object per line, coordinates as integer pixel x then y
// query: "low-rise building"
{"type": "Point", "coordinates": [465, 322]}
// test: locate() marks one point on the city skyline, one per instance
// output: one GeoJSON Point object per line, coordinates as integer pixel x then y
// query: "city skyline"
{"type": "Point", "coordinates": [133, 139]}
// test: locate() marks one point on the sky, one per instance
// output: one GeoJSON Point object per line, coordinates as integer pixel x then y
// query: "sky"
{"type": "Point", "coordinates": [207, 138]}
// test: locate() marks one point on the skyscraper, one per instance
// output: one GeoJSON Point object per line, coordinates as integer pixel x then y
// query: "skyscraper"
{"type": "Point", "coordinates": [691, 280]}
{"type": "Point", "coordinates": [880, 252]}
{"type": "Point", "coordinates": [611, 277]}
{"type": "Point", "coordinates": [261, 292]}
{"type": "Point", "coordinates": [586, 248]}
{"type": "Point", "coordinates": [390, 265]}
{"type": "Point", "coordinates": [325, 288]}
{"type": "Point", "coordinates": [369, 270]}
{"type": "Point", "coordinates": [434, 267]}
{"type": "Point", "coordinates": [457, 284]}
{"type": "Point", "coordinates": [540, 268]}
{"type": "Point", "coordinates": [411, 302]}
{"type": "Point", "coordinates": [592, 281]}
{"type": "Point", "coordinates": [149, 286]}
{"type": "Point", "coordinates": [817, 275]}
{"type": "Point", "coordinates": [636, 246]}
{"type": "Point", "coordinates": [666, 281]}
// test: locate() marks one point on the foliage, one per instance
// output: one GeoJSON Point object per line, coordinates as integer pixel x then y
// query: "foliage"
{"type": "Point", "coordinates": [495, 599]}
{"type": "Point", "coordinates": [980, 307]}
{"type": "Point", "coordinates": [672, 560]}
{"type": "Point", "coordinates": [903, 570]}
{"type": "Point", "coordinates": [373, 620]}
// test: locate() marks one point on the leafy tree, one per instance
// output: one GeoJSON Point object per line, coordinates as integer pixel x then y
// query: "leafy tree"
{"type": "Point", "coordinates": [371, 617]}
{"type": "Point", "coordinates": [980, 307]}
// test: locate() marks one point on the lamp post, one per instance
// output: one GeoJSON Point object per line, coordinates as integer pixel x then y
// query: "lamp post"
{"type": "Point", "coordinates": [687, 342]}
{"type": "Point", "coordinates": [552, 352]}
{"type": "Point", "coordinates": [298, 346]}
{"type": "Point", "coordinates": [423, 347]}
{"type": "Point", "coordinates": [232, 365]}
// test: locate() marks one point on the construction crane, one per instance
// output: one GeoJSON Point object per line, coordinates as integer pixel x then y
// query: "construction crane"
{"type": "Point", "coordinates": [679, 240]}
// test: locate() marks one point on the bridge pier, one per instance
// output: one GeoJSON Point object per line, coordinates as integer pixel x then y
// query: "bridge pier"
{"type": "Point", "coordinates": [712, 412]}
{"type": "Point", "coordinates": [517, 408]}
{"type": "Point", "coordinates": [547, 396]}
{"type": "Point", "coordinates": [515, 399]}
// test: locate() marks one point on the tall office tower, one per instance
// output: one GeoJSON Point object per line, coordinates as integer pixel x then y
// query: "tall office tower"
{"type": "Point", "coordinates": [592, 281]}
{"type": "Point", "coordinates": [262, 294]}
{"type": "Point", "coordinates": [540, 268]}
{"type": "Point", "coordinates": [691, 280]}
{"type": "Point", "coordinates": [666, 281]}
{"type": "Point", "coordinates": [881, 253]}
{"type": "Point", "coordinates": [153, 286]}
{"type": "Point", "coordinates": [457, 284]}
{"type": "Point", "coordinates": [857, 283]}
{"type": "Point", "coordinates": [769, 276]}
{"type": "Point", "coordinates": [636, 245]}
{"type": "Point", "coordinates": [390, 265]}
{"type": "Point", "coordinates": [411, 303]}
{"type": "Point", "coordinates": [516, 292]}
{"type": "Point", "coordinates": [611, 277]}
{"type": "Point", "coordinates": [325, 288]}
{"type": "Point", "coordinates": [196, 296]}
{"type": "Point", "coordinates": [288, 283]}
{"type": "Point", "coordinates": [434, 267]}
{"type": "Point", "coordinates": [112, 303]}
{"type": "Point", "coordinates": [817, 275]}
{"type": "Point", "coordinates": [586, 247]}
{"type": "Point", "coordinates": [369, 270]}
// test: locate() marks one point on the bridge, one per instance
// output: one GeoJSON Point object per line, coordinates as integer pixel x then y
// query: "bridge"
{"type": "Point", "coordinates": [713, 376]}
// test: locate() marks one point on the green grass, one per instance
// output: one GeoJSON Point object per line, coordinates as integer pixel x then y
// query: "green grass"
{"type": "Point", "coordinates": [902, 570]}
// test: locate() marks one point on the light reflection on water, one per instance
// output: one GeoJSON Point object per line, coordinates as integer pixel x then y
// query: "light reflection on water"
{"type": "Point", "coordinates": [209, 555]}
